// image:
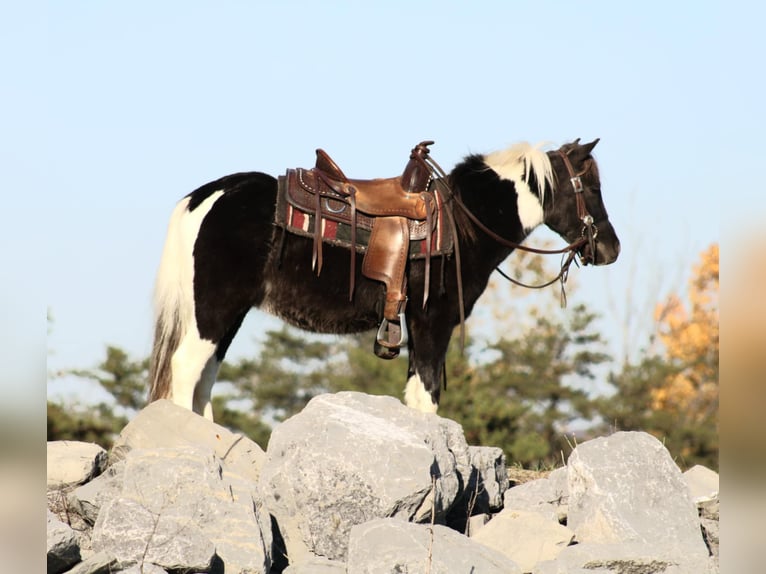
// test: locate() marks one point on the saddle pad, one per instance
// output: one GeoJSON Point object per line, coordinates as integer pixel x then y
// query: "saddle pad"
{"type": "Point", "coordinates": [296, 212]}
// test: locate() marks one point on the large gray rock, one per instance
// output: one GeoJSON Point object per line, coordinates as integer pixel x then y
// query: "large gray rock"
{"type": "Point", "coordinates": [163, 424]}
{"type": "Point", "coordinates": [73, 462]}
{"type": "Point", "coordinates": [101, 563]}
{"type": "Point", "coordinates": [547, 496]}
{"type": "Point", "coordinates": [317, 565]}
{"type": "Point", "coordinates": [623, 558]}
{"type": "Point", "coordinates": [63, 547]}
{"type": "Point", "coordinates": [483, 487]}
{"type": "Point", "coordinates": [702, 482]}
{"type": "Point", "coordinates": [627, 489]}
{"type": "Point", "coordinates": [389, 545]}
{"type": "Point", "coordinates": [180, 509]}
{"type": "Point", "coordinates": [86, 500]}
{"type": "Point", "coordinates": [526, 537]}
{"type": "Point", "coordinates": [348, 458]}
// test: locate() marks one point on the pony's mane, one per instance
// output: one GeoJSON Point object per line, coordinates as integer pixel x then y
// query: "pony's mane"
{"type": "Point", "coordinates": [521, 159]}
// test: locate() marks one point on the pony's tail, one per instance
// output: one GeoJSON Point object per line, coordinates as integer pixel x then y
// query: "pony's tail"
{"type": "Point", "coordinates": [173, 303]}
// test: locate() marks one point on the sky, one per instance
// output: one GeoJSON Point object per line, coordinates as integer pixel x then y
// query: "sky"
{"type": "Point", "coordinates": [114, 111]}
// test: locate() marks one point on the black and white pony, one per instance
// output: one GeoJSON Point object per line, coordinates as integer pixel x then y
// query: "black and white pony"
{"type": "Point", "coordinates": [224, 255]}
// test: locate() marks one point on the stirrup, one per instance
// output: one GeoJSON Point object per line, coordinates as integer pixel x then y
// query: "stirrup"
{"type": "Point", "coordinates": [386, 345]}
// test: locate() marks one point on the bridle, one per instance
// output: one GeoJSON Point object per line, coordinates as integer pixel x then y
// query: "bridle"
{"type": "Point", "coordinates": [589, 230]}
{"type": "Point", "coordinates": [588, 233]}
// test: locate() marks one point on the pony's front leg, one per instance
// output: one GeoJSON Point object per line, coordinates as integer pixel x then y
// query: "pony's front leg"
{"type": "Point", "coordinates": [416, 396]}
{"type": "Point", "coordinates": [427, 352]}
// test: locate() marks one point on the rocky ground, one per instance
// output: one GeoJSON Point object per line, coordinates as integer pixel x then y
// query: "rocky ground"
{"type": "Point", "coordinates": [356, 483]}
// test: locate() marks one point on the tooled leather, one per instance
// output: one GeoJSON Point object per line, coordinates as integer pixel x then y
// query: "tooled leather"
{"type": "Point", "coordinates": [386, 259]}
{"type": "Point", "coordinates": [302, 194]}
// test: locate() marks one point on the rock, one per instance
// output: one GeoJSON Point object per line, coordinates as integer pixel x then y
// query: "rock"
{"type": "Point", "coordinates": [317, 565]}
{"type": "Point", "coordinates": [702, 482]}
{"type": "Point", "coordinates": [475, 523]}
{"type": "Point", "coordinates": [73, 462]}
{"type": "Point", "coordinates": [489, 481]}
{"type": "Point", "coordinates": [547, 496]}
{"type": "Point", "coordinates": [710, 533]}
{"type": "Point", "coordinates": [348, 458]}
{"type": "Point", "coordinates": [165, 424]}
{"type": "Point", "coordinates": [86, 500]}
{"type": "Point", "coordinates": [179, 509]}
{"type": "Point", "coordinates": [135, 533]}
{"type": "Point", "coordinates": [99, 563]}
{"type": "Point", "coordinates": [63, 548]}
{"type": "Point", "coordinates": [627, 489]}
{"type": "Point", "coordinates": [483, 487]}
{"type": "Point", "coordinates": [525, 537]}
{"type": "Point", "coordinates": [623, 558]}
{"type": "Point", "coordinates": [142, 569]}
{"type": "Point", "coordinates": [387, 545]}
{"type": "Point", "coordinates": [348, 481]}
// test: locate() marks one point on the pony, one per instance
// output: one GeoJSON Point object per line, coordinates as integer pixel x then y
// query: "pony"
{"type": "Point", "coordinates": [225, 254]}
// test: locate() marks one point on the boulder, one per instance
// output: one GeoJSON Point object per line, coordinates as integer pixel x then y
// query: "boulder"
{"type": "Point", "coordinates": [86, 500]}
{"type": "Point", "coordinates": [526, 537]}
{"type": "Point", "coordinates": [547, 496]}
{"type": "Point", "coordinates": [483, 487]}
{"type": "Point", "coordinates": [626, 489]}
{"type": "Point", "coordinates": [348, 458]}
{"type": "Point", "coordinates": [103, 563]}
{"type": "Point", "coordinates": [165, 424]}
{"type": "Point", "coordinates": [317, 565]}
{"type": "Point", "coordinates": [73, 462]}
{"type": "Point", "coordinates": [63, 547]}
{"type": "Point", "coordinates": [702, 482]}
{"type": "Point", "coordinates": [387, 545]}
{"type": "Point", "coordinates": [179, 509]}
{"type": "Point", "coordinates": [623, 558]}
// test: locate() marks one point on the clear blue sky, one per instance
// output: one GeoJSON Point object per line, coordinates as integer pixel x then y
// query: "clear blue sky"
{"type": "Point", "coordinates": [117, 110]}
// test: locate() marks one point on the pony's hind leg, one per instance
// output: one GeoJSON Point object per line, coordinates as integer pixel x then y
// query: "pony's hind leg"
{"type": "Point", "coordinates": [194, 365]}
{"type": "Point", "coordinates": [204, 388]}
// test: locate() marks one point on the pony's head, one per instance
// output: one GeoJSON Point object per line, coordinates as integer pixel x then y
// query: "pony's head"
{"type": "Point", "coordinates": [576, 210]}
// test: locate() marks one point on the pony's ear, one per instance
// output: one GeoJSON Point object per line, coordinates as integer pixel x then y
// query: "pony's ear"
{"type": "Point", "coordinates": [587, 148]}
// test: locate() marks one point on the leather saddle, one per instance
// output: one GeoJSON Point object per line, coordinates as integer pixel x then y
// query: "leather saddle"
{"type": "Point", "coordinates": [388, 212]}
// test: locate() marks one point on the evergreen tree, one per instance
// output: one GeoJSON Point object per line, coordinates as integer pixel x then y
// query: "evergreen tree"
{"type": "Point", "coordinates": [525, 398]}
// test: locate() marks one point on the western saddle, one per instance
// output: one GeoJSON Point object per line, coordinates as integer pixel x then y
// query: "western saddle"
{"type": "Point", "coordinates": [394, 210]}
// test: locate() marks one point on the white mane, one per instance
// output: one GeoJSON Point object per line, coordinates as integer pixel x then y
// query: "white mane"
{"type": "Point", "coordinates": [520, 159]}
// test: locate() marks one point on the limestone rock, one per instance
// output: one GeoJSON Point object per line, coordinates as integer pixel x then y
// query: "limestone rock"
{"type": "Point", "coordinates": [317, 565]}
{"type": "Point", "coordinates": [101, 563]}
{"type": "Point", "coordinates": [179, 509]}
{"type": "Point", "coordinates": [73, 462]}
{"type": "Point", "coordinates": [627, 489]}
{"type": "Point", "coordinates": [63, 549]}
{"type": "Point", "coordinates": [163, 424]}
{"type": "Point", "coordinates": [349, 458]}
{"type": "Point", "coordinates": [702, 482]}
{"type": "Point", "coordinates": [526, 537]}
{"type": "Point", "coordinates": [548, 496]}
{"type": "Point", "coordinates": [86, 500]}
{"type": "Point", "coordinates": [389, 545]}
{"type": "Point", "coordinates": [623, 558]}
